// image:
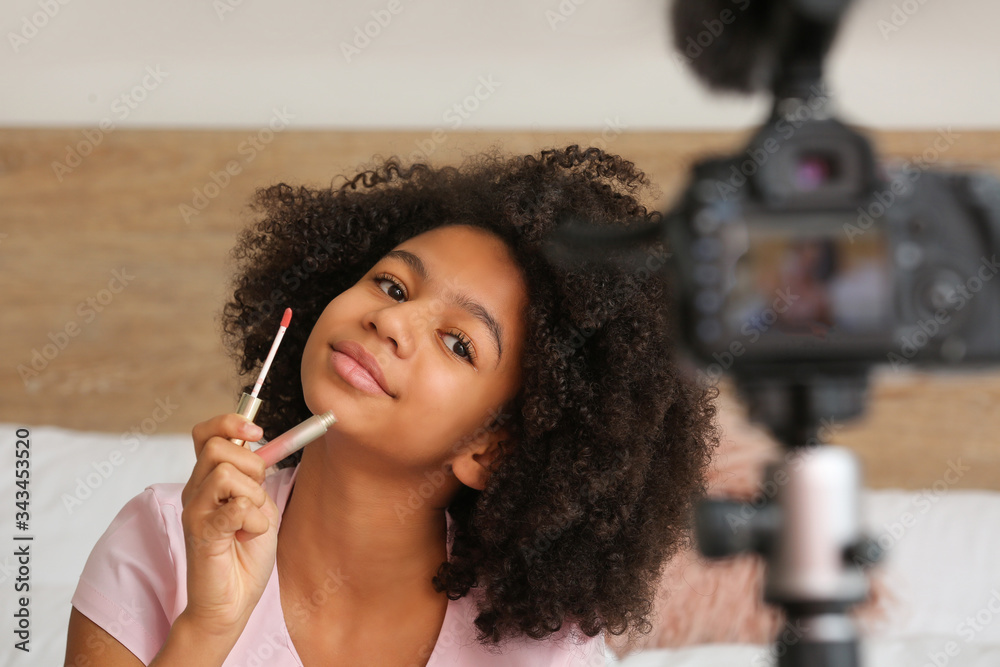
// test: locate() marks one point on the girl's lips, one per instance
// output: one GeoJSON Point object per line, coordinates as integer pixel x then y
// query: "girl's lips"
{"type": "Point", "coordinates": [355, 374]}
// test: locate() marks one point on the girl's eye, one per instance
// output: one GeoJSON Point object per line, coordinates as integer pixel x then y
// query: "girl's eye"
{"type": "Point", "coordinates": [397, 292]}
{"type": "Point", "coordinates": [385, 278]}
{"type": "Point", "coordinates": [464, 344]}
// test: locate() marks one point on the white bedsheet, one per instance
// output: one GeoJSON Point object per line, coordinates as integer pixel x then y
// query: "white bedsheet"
{"type": "Point", "coordinates": [944, 566]}
{"type": "Point", "coordinates": [914, 652]}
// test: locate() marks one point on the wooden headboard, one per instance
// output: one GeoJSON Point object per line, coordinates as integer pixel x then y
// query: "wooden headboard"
{"type": "Point", "coordinates": [114, 263]}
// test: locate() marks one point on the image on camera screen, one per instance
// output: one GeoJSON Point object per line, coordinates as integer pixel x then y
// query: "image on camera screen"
{"type": "Point", "coordinates": [804, 277]}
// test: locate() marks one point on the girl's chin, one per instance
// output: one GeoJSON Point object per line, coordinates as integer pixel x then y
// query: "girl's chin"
{"type": "Point", "coordinates": [346, 409]}
{"type": "Point", "coordinates": [319, 403]}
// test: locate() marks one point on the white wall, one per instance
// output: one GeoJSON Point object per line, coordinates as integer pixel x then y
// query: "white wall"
{"type": "Point", "coordinates": [233, 62]}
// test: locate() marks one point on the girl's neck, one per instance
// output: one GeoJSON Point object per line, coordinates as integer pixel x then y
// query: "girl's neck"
{"type": "Point", "coordinates": [357, 530]}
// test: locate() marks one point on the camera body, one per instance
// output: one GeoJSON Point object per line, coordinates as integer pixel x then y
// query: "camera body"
{"type": "Point", "coordinates": [802, 256]}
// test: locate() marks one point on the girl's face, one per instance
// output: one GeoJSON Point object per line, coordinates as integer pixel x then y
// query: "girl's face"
{"type": "Point", "coordinates": [442, 316]}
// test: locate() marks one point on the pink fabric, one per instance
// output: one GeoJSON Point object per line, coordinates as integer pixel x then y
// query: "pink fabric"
{"type": "Point", "coordinates": [133, 587]}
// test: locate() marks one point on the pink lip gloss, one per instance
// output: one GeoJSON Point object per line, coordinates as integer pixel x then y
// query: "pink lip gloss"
{"type": "Point", "coordinates": [249, 403]}
{"type": "Point", "coordinates": [296, 438]}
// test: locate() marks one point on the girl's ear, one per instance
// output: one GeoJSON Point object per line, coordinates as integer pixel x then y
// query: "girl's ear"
{"type": "Point", "coordinates": [472, 466]}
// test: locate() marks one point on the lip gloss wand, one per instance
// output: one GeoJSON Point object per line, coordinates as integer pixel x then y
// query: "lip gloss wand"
{"type": "Point", "coordinates": [249, 403]}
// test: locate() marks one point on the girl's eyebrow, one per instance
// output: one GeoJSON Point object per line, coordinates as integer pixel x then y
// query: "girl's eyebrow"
{"type": "Point", "coordinates": [462, 300]}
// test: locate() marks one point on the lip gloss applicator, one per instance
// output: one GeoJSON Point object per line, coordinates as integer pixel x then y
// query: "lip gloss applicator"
{"type": "Point", "coordinates": [296, 438]}
{"type": "Point", "coordinates": [249, 403]}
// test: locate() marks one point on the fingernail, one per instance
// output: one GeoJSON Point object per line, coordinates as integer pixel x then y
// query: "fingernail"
{"type": "Point", "coordinates": [252, 430]}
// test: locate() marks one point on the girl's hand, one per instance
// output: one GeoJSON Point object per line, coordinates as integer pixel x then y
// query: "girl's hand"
{"type": "Point", "coordinates": [230, 529]}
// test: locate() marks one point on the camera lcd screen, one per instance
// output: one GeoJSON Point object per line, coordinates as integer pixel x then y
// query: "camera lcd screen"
{"type": "Point", "coordinates": [803, 277]}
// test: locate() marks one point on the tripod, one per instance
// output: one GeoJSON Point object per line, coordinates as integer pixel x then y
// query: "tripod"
{"type": "Point", "coordinates": [806, 523]}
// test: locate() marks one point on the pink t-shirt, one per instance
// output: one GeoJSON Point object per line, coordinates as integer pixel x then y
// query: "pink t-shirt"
{"type": "Point", "coordinates": [134, 586]}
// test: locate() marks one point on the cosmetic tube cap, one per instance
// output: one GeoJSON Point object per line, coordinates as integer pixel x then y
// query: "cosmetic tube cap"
{"type": "Point", "coordinates": [247, 407]}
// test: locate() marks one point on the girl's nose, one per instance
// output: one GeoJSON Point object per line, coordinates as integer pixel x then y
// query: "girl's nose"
{"type": "Point", "coordinates": [395, 324]}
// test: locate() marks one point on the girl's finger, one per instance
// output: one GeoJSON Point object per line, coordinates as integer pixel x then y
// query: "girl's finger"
{"type": "Point", "coordinates": [224, 483]}
{"type": "Point", "coordinates": [218, 510]}
{"type": "Point", "coordinates": [255, 523]}
{"type": "Point", "coordinates": [215, 530]}
{"type": "Point", "coordinates": [226, 426]}
{"type": "Point", "coordinates": [217, 451]}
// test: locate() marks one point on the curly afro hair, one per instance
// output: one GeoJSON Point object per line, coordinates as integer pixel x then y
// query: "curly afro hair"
{"type": "Point", "coordinates": [609, 440]}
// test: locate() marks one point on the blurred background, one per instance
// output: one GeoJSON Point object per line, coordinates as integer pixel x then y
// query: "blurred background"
{"type": "Point", "coordinates": [132, 135]}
